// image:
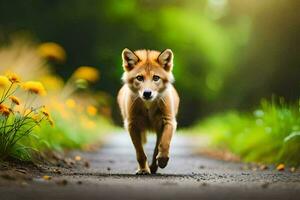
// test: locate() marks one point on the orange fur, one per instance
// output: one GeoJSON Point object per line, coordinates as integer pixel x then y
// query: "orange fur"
{"type": "Point", "coordinates": [147, 71]}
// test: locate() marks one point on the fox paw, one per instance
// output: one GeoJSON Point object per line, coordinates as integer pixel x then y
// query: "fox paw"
{"type": "Point", "coordinates": [153, 168]}
{"type": "Point", "coordinates": [143, 171]}
{"type": "Point", "coordinates": [162, 161]}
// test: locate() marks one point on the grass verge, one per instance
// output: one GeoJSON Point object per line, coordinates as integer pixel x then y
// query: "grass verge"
{"type": "Point", "coordinates": [271, 134]}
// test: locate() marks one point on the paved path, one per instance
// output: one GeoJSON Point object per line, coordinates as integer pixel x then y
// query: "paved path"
{"type": "Point", "coordinates": [188, 176]}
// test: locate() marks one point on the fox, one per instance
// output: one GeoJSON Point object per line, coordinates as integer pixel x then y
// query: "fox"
{"type": "Point", "coordinates": [149, 102]}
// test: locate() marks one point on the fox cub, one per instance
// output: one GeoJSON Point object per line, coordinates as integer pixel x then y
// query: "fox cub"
{"type": "Point", "coordinates": [148, 101]}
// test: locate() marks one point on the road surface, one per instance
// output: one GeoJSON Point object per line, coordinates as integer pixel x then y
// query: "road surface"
{"type": "Point", "coordinates": [187, 176]}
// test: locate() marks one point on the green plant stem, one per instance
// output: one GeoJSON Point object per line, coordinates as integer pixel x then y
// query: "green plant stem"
{"type": "Point", "coordinates": [4, 94]}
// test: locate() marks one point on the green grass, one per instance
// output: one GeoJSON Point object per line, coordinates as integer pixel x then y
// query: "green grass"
{"type": "Point", "coordinates": [271, 134]}
{"type": "Point", "coordinates": [65, 135]}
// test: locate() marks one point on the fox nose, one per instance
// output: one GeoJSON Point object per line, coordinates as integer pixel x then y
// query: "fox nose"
{"type": "Point", "coordinates": [147, 94]}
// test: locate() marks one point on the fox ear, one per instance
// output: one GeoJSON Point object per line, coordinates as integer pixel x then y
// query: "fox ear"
{"type": "Point", "coordinates": [129, 59]}
{"type": "Point", "coordinates": [165, 58]}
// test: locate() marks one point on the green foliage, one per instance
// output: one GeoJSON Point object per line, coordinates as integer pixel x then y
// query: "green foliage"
{"type": "Point", "coordinates": [64, 135]}
{"type": "Point", "coordinates": [16, 123]}
{"type": "Point", "coordinates": [270, 135]}
{"type": "Point", "coordinates": [228, 53]}
{"type": "Point", "coordinates": [204, 48]}
{"type": "Point", "coordinates": [13, 129]}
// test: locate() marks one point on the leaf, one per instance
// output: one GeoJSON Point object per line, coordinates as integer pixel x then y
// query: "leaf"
{"type": "Point", "coordinates": [20, 151]}
{"type": "Point", "coordinates": [77, 158]}
{"type": "Point", "coordinates": [35, 136]}
{"type": "Point", "coordinates": [291, 136]}
{"type": "Point", "coordinates": [280, 167]}
{"type": "Point", "coordinates": [292, 169]}
{"type": "Point", "coordinates": [263, 167]}
{"type": "Point", "coordinates": [47, 178]}
{"type": "Point", "coordinates": [45, 142]}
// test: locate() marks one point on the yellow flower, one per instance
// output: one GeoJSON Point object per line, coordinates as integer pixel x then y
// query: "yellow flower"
{"type": "Point", "coordinates": [13, 77]}
{"type": "Point", "coordinates": [50, 120]}
{"type": "Point", "coordinates": [47, 115]}
{"type": "Point", "coordinates": [36, 117]}
{"type": "Point", "coordinates": [15, 100]}
{"type": "Point", "coordinates": [4, 81]}
{"type": "Point", "coordinates": [27, 112]}
{"type": "Point", "coordinates": [91, 110]}
{"type": "Point", "coordinates": [52, 82]}
{"type": "Point", "coordinates": [87, 73]}
{"type": "Point", "coordinates": [86, 122]}
{"type": "Point", "coordinates": [90, 124]}
{"type": "Point", "coordinates": [52, 51]}
{"type": "Point", "coordinates": [70, 103]}
{"type": "Point", "coordinates": [4, 110]}
{"type": "Point", "coordinates": [34, 87]}
{"type": "Point", "coordinates": [45, 111]}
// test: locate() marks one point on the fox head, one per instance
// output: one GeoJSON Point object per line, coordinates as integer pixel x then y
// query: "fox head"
{"type": "Point", "coordinates": [147, 73]}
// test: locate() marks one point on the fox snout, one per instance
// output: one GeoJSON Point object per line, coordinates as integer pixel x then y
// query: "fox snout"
{"type": "Point", "coordinates": [147, 94]}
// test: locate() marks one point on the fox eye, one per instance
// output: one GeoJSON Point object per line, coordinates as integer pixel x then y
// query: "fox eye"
{"type": "Point", "coordinates": [156, 78]}
{"type": "Point", "coordinates": [140, 78]}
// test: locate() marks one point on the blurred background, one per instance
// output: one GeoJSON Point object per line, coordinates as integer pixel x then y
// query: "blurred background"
{"type": "Point", "coordinates": [228, 53]}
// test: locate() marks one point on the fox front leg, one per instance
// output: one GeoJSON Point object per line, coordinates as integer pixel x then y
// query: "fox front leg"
{"type": "Point", "coordinates": [164, 145]}
{"type": "Point", "coordinates": [141, 157]}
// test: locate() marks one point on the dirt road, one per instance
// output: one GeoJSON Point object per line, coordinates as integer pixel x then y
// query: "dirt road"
{"type": "Point", "coordinates": [188, 176]}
